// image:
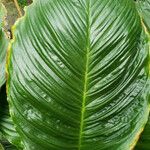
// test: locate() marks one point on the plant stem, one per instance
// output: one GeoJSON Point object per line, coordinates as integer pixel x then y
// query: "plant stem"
{"type": "Point", "coordinates": [18, 8]}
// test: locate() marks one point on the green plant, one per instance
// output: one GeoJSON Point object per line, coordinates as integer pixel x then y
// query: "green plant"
{"type": "Point", "coordinates": [78, 75]}
{"type": "Point", "coordinates": [3, 45]}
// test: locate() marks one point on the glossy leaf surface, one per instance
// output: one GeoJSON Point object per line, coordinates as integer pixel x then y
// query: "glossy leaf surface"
{"type": "Point", "coordinates": [78, 75]}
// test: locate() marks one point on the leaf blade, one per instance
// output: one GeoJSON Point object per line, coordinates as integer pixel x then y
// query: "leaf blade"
{"type": "Point", "coordinates": [6, 125]}
{"type": "Point", "coordinates": [48, 73]}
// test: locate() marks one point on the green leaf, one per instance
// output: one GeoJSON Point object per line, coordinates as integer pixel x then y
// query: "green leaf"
{"type": "Point", "coordinates": [78, 75]}
{"type": "Point", "coordinates": [144, 10]}
{"type": "Point", "coordinates": [7, 146]}
{"type": "Point", "coordinates": [144, 142]}
{"type": "Point", "coordinates": [6, 125]}
{"type": "Point", "coordinates": [1, 147]}
{"type": "Point", "coordinates": [3, 46]}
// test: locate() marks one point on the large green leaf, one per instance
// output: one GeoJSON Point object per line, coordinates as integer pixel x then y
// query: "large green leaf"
{"type": "Point", "coordinates": [78, 75]}
{"type": "Point", "coordinates": [6, 125]}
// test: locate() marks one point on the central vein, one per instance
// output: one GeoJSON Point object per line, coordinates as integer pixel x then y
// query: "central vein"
{"type": "Point", "coordinates": [85, 77]}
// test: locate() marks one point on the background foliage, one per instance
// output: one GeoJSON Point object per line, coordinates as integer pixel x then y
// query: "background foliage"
{"type": "Point", "coordinates": [23, 2]}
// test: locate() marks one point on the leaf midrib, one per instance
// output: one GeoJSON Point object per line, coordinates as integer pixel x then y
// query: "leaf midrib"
{"type": "Point", "coordinates": [85, 76]}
